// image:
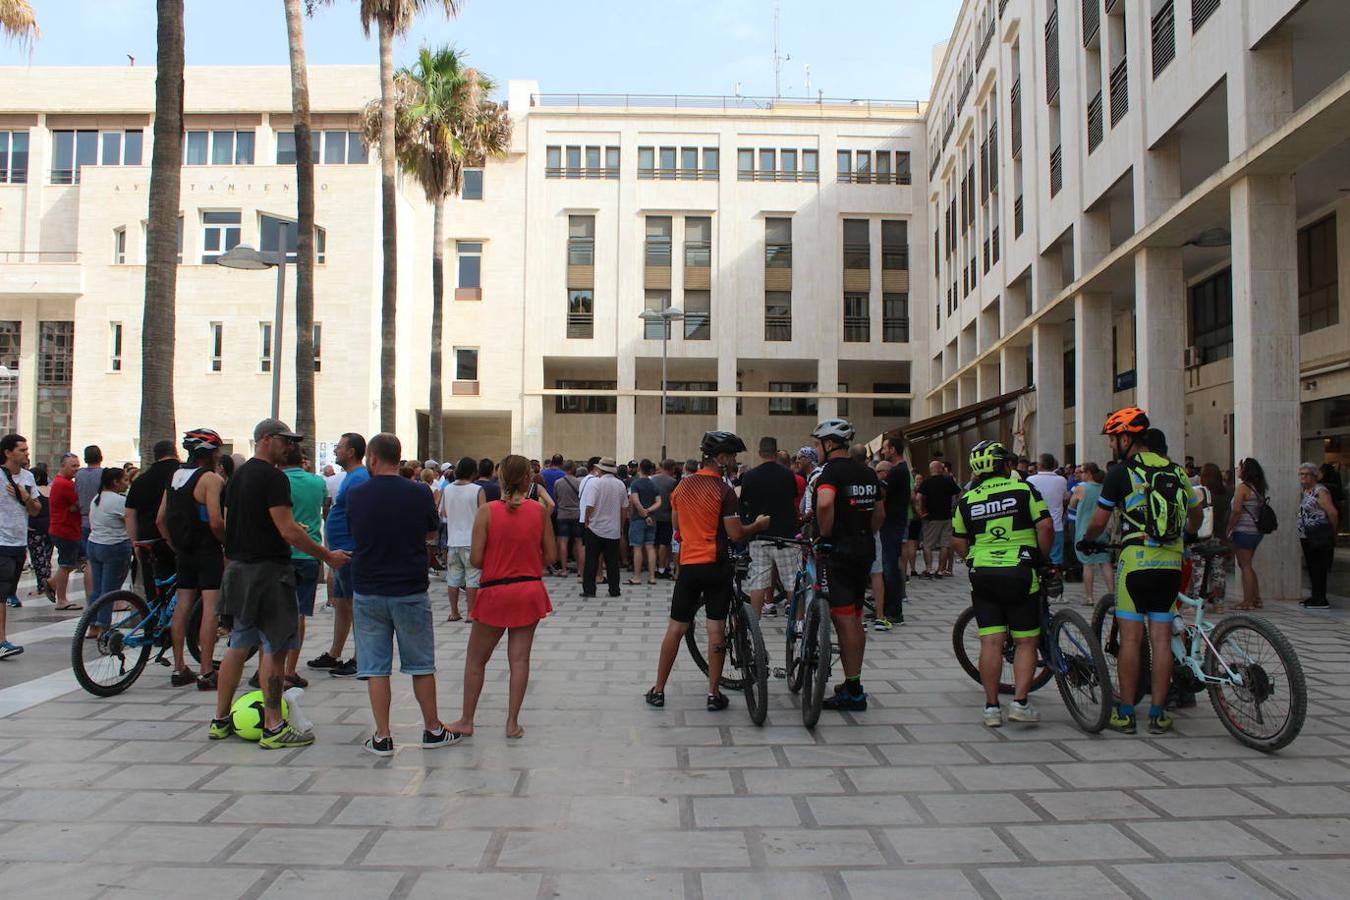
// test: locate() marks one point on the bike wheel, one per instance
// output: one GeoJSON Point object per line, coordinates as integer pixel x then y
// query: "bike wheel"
{"type": "Point", "coordinates": [794, 635]}
{"type": "Point", "coordinates": [107, 665]}
{"type": "Point", "coordinates": [1107, 632]}
{"type": "Point", "coordinates": [1080, 671]}
{"type": "Point", "coordinates": [695, 639]}
{"type": "Point", "coordinates": [966, 644]}
{"type": "Point", "coordinates": [817, 653]}
{"type": "Point", "coordinates": [1266, 710]}
{"type": "Point", "coordinates": [754, 659]}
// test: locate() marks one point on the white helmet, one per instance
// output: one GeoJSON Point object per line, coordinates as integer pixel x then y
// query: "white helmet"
{"type": "Point", "coordinates": [838, 429]}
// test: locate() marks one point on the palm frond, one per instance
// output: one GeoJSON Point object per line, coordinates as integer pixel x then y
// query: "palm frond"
{"type": "Point", "coordinates": [19, 23]}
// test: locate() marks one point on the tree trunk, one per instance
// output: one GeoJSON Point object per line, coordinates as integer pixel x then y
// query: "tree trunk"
{"type": "Point", "coordinates": [304, 242]}
{"type": "Point", "coordinates": [388, 195]}
{"type": "Point", "coordinates": [161, 264]}
{"type": "Point", "coordinates": [436, 421]}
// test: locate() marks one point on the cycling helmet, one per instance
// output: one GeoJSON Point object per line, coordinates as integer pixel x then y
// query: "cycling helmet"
{"type": "Point", "coordinates": [201, 440]}
{"type": "Point", "coordinates": [1130, 420]}
{"type": "Point", "coordinates": [715, 442]}
{"type": "Point", "coordinates": [986, 456]}
{"type": "Point", "coordinates": [836, 429]}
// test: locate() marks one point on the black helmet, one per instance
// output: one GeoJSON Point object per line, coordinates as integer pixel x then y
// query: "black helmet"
{"type": "Point", "coordinates": [201, 440]}
{"type": "Point", "coordinates": [715, 442]}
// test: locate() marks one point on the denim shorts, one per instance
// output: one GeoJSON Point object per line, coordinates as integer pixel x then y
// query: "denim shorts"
{"type": "Point", "coordinates": [306, 584]}
{"type": "Point", "coordinates": [69, 552]}
{"type": "Point", "coordinates": [378, 619]}
{"type": "Point", "coordinates": [568, 529]}
{"type": "Point", "coordinates": [1247, 540]}
{"type": "Point", "coordinates": [1057, 549]}
{"type": "Point", "coordinates": [246, 634]}
{"type": "Point", "coordinates": [342, 583]}
{"type": "Point", "coordinates": [458, 572]}
{"type": "Point", "coordinates": [639, 533]}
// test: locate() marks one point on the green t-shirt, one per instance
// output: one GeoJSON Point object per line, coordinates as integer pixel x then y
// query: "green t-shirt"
{"type": "Point", "coordinates": [307, 495]}
{"type": "Point", "coordinates": [998, 515]}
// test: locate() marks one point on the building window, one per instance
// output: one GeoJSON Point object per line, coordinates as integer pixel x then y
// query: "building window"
{"type": "Point", "coordinates": [13, 157]}
{"type": "Point", "coordinates": [114, 346]}
{"type": "Point", "coordinates": [697, 315]}
{"type": "Point", "coordinates": [11, 333]}
{"type": "Point", "coordinates": [56, 356]}
{"type": "Point", "coordinates": [466, 364]}
{"type": "Point", "coordinates": [792, 406]}
{"type": "Point", "coordinates": [120, 246]}
{"type": "Point", "coordinates": [656, 329]}
{"type": "Point", "coordinates": [264, 346]}
{"type": "Point", "coordinates": [895, 318]}
{"type": "Point", "coordinates": [778, 243]}
{"type": "Point", "coordinates": [270, 229]}
{"type": "Point", "coordinates": [318, 346]}
{"type": "Point", "coordinates": [472, 188]}
{"type": "Point", "coordinates": [777, 315]}
{"type": "Point", "coordinates": [894, 245]}
{"type": "Point", "coordinates": [571, 403]}
{"type": "Point", "coordinates": [581, 313]}
{"type": "Point", "coordinates": [470, 256]}
{"type": "Point", "coordinates": [745, 165]}
{"type": "Point", "coordinates": [554, 157]}
{"type": "Point", "coordinates": [658, 241]}
{"type": "Point", "coordinates": [1318, 300]}
{"type": "Point", "coordinates": [857, 320]}
{"type": "Point", "coordinates": [320, 246]}
{"type": "Point", "coordinates": [890, 408]}
{"type": "Point", "coordinates": [1212, 316]}
{"type": "Point", "coordinates": [698, 242]}
{"type": "Point", "coordinates": [670, 163]}
{"type": "Point", "coordinates": [72, 150]}
{"type": "Point", "coordinates": [326, 147]}
{"type": "Point", "coordinates": [692, 406]}
{"type": "Point", "coordinates": [857, 252]}
{"type": "Point", "coordinates": [219, 148]}
{"type": "Point", "coordinates": [220, 233]}
{"type": "Point", "coordinates": [777, 279]}
{"type": "Point", "coordinates": [217, 345]}
{"type": "Point", "coordinates": [1070, 378]}
{"type": "Point", "coordinates": [581, 240]}
{"type": "Point", "coordinates": [711, 162]}
{"type": "Point", "coordinates": [777, 164]}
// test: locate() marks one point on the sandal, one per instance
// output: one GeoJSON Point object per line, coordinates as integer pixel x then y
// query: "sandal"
{"type": "Point", "coordinates": [633, 582]}
{"type": "Point", "coordinates": [455, 619]}
{"type": "Point", "coordinates": [69, 607]}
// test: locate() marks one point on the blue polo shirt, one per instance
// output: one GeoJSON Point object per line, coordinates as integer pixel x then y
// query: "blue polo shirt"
{"type": "Point", "coordinates": [339, 534]}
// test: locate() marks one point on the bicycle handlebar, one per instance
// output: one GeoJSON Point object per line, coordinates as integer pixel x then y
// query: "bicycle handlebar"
{"type": "Point", "coordinates": [782, 541]}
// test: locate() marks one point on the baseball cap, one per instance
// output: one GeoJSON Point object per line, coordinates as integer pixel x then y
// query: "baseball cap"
{"type": "Point", "coordinates": [431, 464]}
{"type": "Point", "coordinates": [269, 427]}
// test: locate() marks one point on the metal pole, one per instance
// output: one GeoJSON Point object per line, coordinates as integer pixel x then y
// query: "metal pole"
{"type": "Point", "coordinates": [665, 334]}
{"type": "Point", "coordinates": [277, 320]}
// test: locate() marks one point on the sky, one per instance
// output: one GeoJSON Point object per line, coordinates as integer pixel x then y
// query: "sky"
{"type": "Point", "coordinates": [881, 50]}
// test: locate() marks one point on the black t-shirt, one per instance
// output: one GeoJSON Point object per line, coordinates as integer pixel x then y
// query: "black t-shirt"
{"type": "Point", "coordinates": [250, 494]}
{"type": "Point", "coordinates": [390, 518]}
{"type": "Point", "coordinates": [898, 490]}
{"type": "Point", "coordinates": [769, 489]}
{"type": "Point", "coordinates": [145, 495]}
{"type": "Point", "coordinates": [938, 492]}
{"type": "Point", "coordinates": [856, 494]}
{"type": "Point", "coordinates": [491, 489]}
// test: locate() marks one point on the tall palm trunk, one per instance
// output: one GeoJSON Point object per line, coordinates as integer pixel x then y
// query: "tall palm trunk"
{"type": "Point", "coordinates": [389, 293]}
{"type": "Point", "coordinates": [436, 423]}
{"type": "Point", "coordinates": [304, 242]}
{"type": "Point", "coordinates": [161, 264]}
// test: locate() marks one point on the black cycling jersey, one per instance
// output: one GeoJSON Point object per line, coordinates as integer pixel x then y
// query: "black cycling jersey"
{"type": "Point", "coordinates": [857, 492]}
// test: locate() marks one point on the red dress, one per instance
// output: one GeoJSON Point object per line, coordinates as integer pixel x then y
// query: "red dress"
{"type": "Point", "coordinates": [511, 592]}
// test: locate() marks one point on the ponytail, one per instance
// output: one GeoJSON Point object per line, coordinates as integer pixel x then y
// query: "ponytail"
{"type": "Point", "coordinates": [515, 478]}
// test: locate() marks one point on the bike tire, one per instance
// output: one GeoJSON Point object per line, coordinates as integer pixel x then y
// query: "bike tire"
{"type": "Point", "coordinates": [1085, 683]}
{"type": "Point", "coordinates": [818, 653]}
{"type": "Point", "coordinates": [698, 631]}
{"type": "Point", "coordinates": [794, 636]}
{"type": "Point", "coordinates": [755, 664]}
{"type": "Point", "coordinates": [1108, 636]}
{"type": "Point", "coordinates": [966, 645]}
{"type": "Point", "coordinates": [97, 674]}
{"type": "Point", "coordinates": [1256, 684]}
{"type": "Point", "coordinates": [194, 631]}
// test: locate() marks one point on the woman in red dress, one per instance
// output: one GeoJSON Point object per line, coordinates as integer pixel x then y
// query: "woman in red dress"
{"type": "Point", "coordinates": [512, 543]}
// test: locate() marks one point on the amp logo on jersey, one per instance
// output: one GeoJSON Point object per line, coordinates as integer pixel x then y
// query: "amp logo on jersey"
{"type": "Point", "coordinates": [991, 508]}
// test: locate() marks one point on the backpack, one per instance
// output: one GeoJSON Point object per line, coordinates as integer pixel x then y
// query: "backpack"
{"type": "Point", "coordinates": [1266, 522]}
{"type": "Point", "coordinates": [1162, 516]}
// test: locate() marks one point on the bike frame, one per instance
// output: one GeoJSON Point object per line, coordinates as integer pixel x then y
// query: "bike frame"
{"type": "Point", "coordinates": [1194, 659]}
{"type": "Point", "coordinates": [160, 615]}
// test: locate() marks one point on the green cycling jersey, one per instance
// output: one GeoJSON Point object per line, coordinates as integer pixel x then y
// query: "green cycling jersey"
{"type": "Point", "coordinates": [998, 516]}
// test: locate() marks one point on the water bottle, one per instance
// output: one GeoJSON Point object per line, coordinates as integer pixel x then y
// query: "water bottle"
{"type": "Point", "coordinates": [293, 712]}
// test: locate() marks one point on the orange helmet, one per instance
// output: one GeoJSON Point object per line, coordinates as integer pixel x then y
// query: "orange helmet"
{"type": "Point", "coordinates": [1130, 420]}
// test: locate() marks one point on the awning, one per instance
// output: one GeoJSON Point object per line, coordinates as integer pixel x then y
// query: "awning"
{"type": "Point", "coordinates": [926, 428]}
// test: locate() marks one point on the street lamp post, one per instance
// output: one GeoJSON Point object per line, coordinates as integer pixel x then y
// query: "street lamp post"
{"type": "Point", "coordinates": [665, 317]}
{"type": "Point", "coordinates": [242, 256]}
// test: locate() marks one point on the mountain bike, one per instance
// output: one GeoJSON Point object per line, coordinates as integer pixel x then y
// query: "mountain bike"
{"type": "Point", "coordinates": [1254, 678]}
{"type": "Point", "coordinates": [746, 655]}
{"type": "Point", "coordinates": [809, 635]}
{"type": "Point", "coordinates": [1066, 651]}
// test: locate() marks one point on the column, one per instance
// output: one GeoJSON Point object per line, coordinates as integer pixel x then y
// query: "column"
{"type": "Point", "coordinates": [1092, 240]}
{"type": "Point", "coordinates": [1160, 341]}
{"type": "Point", "coordinates": [726, 384]}
{"type": "Point", "coordinates": [1157, 181]}
{"type": "Point", "coordinates": [967, 390]}
{"type": "Point", "coordinates": [827, 381]}
{"type": "Point", "coordinates": [1093, 378]}
{"type": "Point", "coordinates": [1261, 91]}
{"type": "Point", "coordinates": [987, 381]}
{"type": "Point", "coordinates": [531, 438]}
{"type": "Point", "coordinates": [1048, 276]}
{"type": "Point", "coordinates": [625, 421]}
{"type": "Point", "coordinates": [1266, 383]}
{"type": "Point", "coordinates": [1047, 434]}
{"type": "Point", "coordinates": [1013, 367]}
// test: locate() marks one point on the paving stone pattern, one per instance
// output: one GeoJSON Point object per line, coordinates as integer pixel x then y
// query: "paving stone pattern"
{"type": "Point", "coordinates": [605, 797]}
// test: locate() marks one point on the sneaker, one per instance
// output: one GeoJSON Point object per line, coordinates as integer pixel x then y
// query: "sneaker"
{"type": "Point", "coordinates": [220, 729]}
{"type": "Point", "coordinates": [286, 738]}
{"type": "Point", "coordinates": [993, 716]}
{"type": "Point", "coordinates": [656, 698]}
{"type": "Point", "coordinates": [1122, 723]}
{"type": "Point", "coordinates": [1309, 604]}
{"type": "Point", "coordinates": [881, 624]}
{"type": "Point", "coordinates": [182, 678]}
{"type": "Point", "coordinates": [344, 670]}
{"type": "Point", "coordinates": [256, 681]}
{"type": "Point", "coordinates": [207, 682]}
{"type": "Point", "coordinates": [295, 680]}
{"type": "Point", "coordinates": [1023, 712]}
{"type": "Point", "coordinates": [14, 601]}
{"type": "Point", "coordinates": [324, 661]}
{"type": "Point", "coordinates": [846, 701]}
{"type": "Point", "coordinates": [1159, 724]}
{"type": "Point", "coordinates": [446, 738]}
{"type": "Point", "coordinates": [7, 649]}
{"type": "Point", "coordinates": [717, 702]}
{"type": "Point", "coordinates": [380, 746]}
{"type": "Point", "coordinates": [771, 609]}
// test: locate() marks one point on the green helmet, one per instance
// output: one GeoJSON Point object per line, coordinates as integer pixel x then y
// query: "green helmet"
{"type": "Point", "coordinates": [986, 456]}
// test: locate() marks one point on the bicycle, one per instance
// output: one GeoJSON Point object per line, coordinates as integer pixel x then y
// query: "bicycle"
{"type": "Point", "coordinates": [744, 647]}
{"type": "Point", "coordinates": [1240, 680]}
{"type": "Point", "coordinates": [1065, 651]}
{"type": "Point", "coordinates": [809, 635]}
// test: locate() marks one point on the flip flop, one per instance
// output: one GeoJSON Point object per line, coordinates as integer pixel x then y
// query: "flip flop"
{"type": "Point", "coordinates": [455, 619]}
{"type": "Point", "coordinates": [517, 736]}
{"type": "Point", "coordinates": [69, 607]}
{"type": "Point", "coordinates": [634, 583]}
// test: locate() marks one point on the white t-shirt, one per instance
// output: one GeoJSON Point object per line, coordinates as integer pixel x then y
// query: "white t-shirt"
{"type": "Point", "coordinates": [581, 492]}
{"type": "Point", "coordinates": [459, 505]}
{"type": "Point", "coordinates": [333, 482]}
{"type": "Point", "coordinates": [13, 514]}
{"type": "Point", "coordinates": [1054, 490]}
{"type": "Point", "coordinates": [608, 495]}
{"type": "Point", "coordinates": [107, 522]}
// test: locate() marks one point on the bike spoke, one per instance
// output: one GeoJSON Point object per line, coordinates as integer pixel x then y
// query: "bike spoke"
{"type": "Point", "coordinates": [1260, 705]}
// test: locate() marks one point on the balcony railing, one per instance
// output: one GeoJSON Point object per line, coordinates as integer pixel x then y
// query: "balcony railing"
{"type": "Point", "coordinates": [874, 178]}
{"type": "Point", "coordinates": [777, 175]}
{"type": "Point", "coordinates": [857, 329]}
{"type": "Point", "coordinates": [994, 245]}
{"type": "Point", "coordinates": [964, 93]}
{"type": "Point", "coordinates": [39, 256]}
{"type": "Point", "coordinates": [777, 328]}
{"type": "Point", "coordinates": [1091, 21]}
{"type": "Point", "coordinates": [1201, 10]}
{"type": "Point", "coordinates": [1056, 170]}
{"type": "Point", "coordinates": [1052, 56]}
{"type": "Point", "coordinates": [676, 174]}
{"type": "Point", "coordinates": [15, 175]}
{"type": "Point", "coordinates": [1164, 37]}
{"type": "Point", "coordinates": [895, 330]}
{"type": "Point", "coordinates": [1016, 125]}
{"type": "Point", "coordinates": [1002, 4]}
{"type": "Point", "coordinates": [993, 157]}
{"type": "Point", "coordinates": [580, 325]}
{"type": "Point", "coordinates": [1120, 91]}
{"type": "Point", "coordinates": [1094, 122]}
{"type": "Point", "coordinates": [610, 172]}
{"type": "Point", "coordinates": [895, 259]}
{"type": "Point", "coordinates": [824, 106]}
{"type": "Point", "coordinates": [985, 40]}
{"type": "Point", "coordinates": [1017, 216]}
{"type": "Point", "coordinates": [984, 258]}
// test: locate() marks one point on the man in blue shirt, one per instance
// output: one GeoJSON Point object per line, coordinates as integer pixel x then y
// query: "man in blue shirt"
{"type": "Point", "coordinates": [349, 453]}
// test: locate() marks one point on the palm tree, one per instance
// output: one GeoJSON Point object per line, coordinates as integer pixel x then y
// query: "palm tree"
{"type": "Point", "coordinates": [304, 242]}
{"type": "Point", "coordinates": [162, 242]}
{"type": "Point", "coordinates": [18, 22]}
{"type": "Point", "coordinates": [442, 123]}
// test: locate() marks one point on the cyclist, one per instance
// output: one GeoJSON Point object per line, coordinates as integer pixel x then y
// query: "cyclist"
{"type": "Point", "coordinates": [190, 520]}
{"type": "Point", "coordinates": [849, 508]}
{"type": "Point", "coordinates": [1159, 513]}
{"type": "Point", "coordinates": [704, 514]}
{"type": "Point", "coordinates": [1003, 529]}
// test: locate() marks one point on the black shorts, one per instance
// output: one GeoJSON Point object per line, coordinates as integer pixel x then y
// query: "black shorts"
{"type": "Point", "coordinates": [703, 584]}
{"type": "Point", "coordinates": [1004, 601]}
{"type": "Point", "coordinates": [201, 568]}
{"type": "Point", "coordinates": [664, 533]}
{"type": "Point", "coordinates": [11, 566]}
{"type": "Point", "coordinates": [844, 576]}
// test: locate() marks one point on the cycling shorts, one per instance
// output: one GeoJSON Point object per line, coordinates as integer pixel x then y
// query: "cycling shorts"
{"type": "Point", "coordinates": [843, 577]}
{"type": "Point", "coordinates": [701, 584]}
{"type": "Point", "coordinates": [1148, 580]}
{"type": "Point", "coordinates": [1005, 601]}
{"type": "Point", "coordinates": [201, 568]}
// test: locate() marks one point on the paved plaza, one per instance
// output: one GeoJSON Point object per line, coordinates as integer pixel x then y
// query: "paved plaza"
{"type": "Point", "coordinates": [605, 797]}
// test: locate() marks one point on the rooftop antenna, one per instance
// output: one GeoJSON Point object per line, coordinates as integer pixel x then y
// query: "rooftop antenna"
{"type": "Point", "coordinates": [778, 58]}
{"type": "Point", "coordinates": [807, 91]}
{"type": "Point", "coordinates": [132, 58]}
